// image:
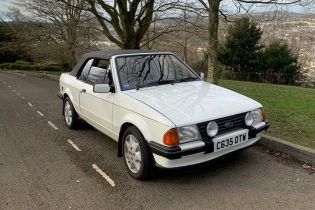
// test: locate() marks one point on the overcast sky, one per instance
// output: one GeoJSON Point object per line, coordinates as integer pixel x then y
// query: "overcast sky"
{"type": "Point", "coordinates": [4, 4]}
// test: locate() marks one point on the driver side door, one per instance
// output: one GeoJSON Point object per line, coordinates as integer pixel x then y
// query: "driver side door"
{"type": "Point", "coordinates": [97, 108]}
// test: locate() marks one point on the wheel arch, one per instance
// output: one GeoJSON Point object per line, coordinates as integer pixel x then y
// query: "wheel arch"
{"type": "Point", "coordinates": [64, 96]}
{"type": "Point", "coordinates": [140, 126]}
{"type": "Point", "coordinates": [68, 94]}
{"type": "Point", "coordinates": [124, 127]}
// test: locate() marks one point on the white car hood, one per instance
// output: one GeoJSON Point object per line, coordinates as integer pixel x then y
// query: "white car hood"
{"type": "Point", "coordinates": [193, 102]}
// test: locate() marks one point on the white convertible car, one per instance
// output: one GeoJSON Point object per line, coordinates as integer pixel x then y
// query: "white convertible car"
{"type": "Point", "coordinates": [158, 109]}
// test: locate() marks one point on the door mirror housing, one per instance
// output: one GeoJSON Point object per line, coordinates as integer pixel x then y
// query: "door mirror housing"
{"type": "Point", "coordinates": [201, 75]}
{"type": "Point", "coordinates": [101, 88]}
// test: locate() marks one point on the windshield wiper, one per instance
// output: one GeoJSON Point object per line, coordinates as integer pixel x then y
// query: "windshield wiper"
{"type": "Point", "coordinates": [156, 83]}
{"type": "Point", "coordinates": [187, 79]}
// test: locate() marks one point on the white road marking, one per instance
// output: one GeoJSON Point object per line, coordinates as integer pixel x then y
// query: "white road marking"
{"type": "Point", "coordinates": [30, 104]}
{"type": "Point", "coordinates": [104, 175]}
{"type": "Point", "coordinates": [41, 114]}
{"type": "Point", "coordinates": [9, 86]}
{"type": "Point", "coordinates": [74, 145]}
{"type": "Point", "coordinates": [52, 125]}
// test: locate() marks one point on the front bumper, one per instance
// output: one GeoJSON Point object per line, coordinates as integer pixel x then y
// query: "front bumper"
{"type": "Point", "coordinates": [199, 151]}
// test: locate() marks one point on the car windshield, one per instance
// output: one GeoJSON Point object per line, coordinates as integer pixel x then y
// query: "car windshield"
{"type": "Point", "coordinates": [138, 71]}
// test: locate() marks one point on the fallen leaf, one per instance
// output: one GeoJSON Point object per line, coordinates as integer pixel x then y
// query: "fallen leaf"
{"type": "Point", "coordinates": [305, 166]}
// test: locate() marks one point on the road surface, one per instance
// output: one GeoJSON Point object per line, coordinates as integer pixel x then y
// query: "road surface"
{"type": "Point", "coordinates": [44, 165]}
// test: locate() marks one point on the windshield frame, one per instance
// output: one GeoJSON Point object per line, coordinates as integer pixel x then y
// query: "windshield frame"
{"type": "Point", "coordinates": [153, 53]}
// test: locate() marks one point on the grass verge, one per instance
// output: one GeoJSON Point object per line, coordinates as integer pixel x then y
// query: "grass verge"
{"type": "Point", "coordinates": [47, 74]}
{"type": "Point", "coordinates": [290, 109]}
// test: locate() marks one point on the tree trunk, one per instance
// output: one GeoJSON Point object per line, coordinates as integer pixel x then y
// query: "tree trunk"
{"type": "Point", "coordinates": [131, 41]}
{"type": "Point", "coordinates": [72, 58]}
{"type": "Point", "coordinates": [71, 42]}
{"type": "Point", "coordinates": [213, 22]}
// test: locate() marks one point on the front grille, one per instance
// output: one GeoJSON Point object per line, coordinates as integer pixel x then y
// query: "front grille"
{"type": "Point", "coordinates": [237, 120]}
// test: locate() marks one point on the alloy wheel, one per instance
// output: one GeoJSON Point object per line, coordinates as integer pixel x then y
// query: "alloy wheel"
{"type": "Point", "coordinates": [132, 153]}
{"type": "Point", "coordinates": [68, 113]}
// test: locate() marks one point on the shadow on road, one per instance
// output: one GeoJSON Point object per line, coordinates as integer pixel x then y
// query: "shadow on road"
{"type": "Point", "coordinates": [207, 169]}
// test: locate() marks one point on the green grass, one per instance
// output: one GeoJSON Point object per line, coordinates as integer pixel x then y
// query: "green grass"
{"type": "Point", "coordinates": [54, 73]}
{"type": "Point", "coordinates": [290, 109]}
{"type": "Point", "coordinates": [48, 74]}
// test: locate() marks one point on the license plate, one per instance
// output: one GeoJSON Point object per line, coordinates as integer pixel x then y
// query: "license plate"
{"type": "Point", "coordinates": [230, 140]}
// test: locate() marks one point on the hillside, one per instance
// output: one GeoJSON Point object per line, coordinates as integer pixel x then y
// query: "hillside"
{"type": "Point", "coordinates": [298, 30]}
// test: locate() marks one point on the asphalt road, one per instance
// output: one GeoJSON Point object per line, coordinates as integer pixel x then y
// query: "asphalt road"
{"type": "Point", "coordinates": [40, 169]}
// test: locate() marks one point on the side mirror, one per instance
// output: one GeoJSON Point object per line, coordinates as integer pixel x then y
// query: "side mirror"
{"type": "Point", "coordinates": [101, 88]}
{"type": "Point", "coordinates": [201, 75]}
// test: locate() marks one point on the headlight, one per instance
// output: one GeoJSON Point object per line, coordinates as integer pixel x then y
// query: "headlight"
{"type": "Point", "coordinates": [188, 133]}
{"type": "Point", "coordinates": [254, 117]}
{"type": "Point", "coordinates": [249, 119]}
{"type": "Point", "coordinates": [212, 129]}
{"type": "Point", "coordinates": [258, 116]}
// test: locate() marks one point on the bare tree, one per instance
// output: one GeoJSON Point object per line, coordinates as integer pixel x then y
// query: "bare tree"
{"type": "Point", "coordinates": [181, 32]}
{"type": "Point", "coordinates": [184, 40]}
{"type": "Point", "coordinates": [13, 36]}
{"type": "Point", "coordinates": [62, 22]}
{"type": "Point", "coordinates": [129, 19]}
{"type": "Point", "coordinates": [125, 23]}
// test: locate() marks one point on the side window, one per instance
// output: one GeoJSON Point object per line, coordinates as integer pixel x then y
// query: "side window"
{"type": "Point", "coordinates": [85, 71]}
{"type": "Point", "coordinates": [101, 63]}
{"type": "Point", "coordinates": [99, 73]}
{"type": "Point", "coordinates": [96, 75]}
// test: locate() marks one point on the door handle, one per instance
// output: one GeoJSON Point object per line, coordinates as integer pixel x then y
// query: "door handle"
{"type": "Point", "coordinates": [83, 91]}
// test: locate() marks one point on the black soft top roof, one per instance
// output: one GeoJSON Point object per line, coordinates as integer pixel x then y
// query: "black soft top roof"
{"type": "Point", "coordinates": [104, 54]}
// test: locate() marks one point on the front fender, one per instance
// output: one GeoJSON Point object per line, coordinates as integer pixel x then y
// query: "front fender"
{"type": "Point", "coordinates": [139, 122]}
{"type": "Point", "coordinates": [152, 130]}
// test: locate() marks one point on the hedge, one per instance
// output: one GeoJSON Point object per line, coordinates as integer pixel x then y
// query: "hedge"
{"type": "Point", "coordinates": [28, 66]}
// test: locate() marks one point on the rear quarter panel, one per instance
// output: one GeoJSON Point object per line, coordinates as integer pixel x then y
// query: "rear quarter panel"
{"type": "Point", "coordinates": [68, 86]}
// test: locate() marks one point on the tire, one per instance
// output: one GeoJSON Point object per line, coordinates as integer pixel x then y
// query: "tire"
{"type": "Point", "coordinates": [133, 145]}
{"type": "Point", "coordinates": [70, 115]}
